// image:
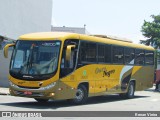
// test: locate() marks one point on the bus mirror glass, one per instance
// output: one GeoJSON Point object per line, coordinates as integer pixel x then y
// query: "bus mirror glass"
{"type": "Point", "coordinates": [68, 52]}
{"type": "Point", "coordinates": [5, 50]}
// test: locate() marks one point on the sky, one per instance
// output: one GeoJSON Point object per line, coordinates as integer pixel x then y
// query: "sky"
{"type": "Point", "coordinates": [122, 18]}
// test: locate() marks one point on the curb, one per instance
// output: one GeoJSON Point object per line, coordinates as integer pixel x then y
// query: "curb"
{"type": "Point", "coordinates": [4, 91]}
{"type": "Point", "coordinates": [4, 94]}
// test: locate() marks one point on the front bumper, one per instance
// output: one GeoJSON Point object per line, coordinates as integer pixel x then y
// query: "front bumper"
{"type": "Point", "coordinates": [42, 92]}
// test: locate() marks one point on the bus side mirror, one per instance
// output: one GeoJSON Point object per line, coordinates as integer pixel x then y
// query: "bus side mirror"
{"type": "Point", "coordinates": [68, 52]}
{"type": "Point", "coordinates": [5, 49]}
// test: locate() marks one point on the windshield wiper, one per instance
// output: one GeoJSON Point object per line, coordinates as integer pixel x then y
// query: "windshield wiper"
{"type": "Point", "coordinates": [30, 59]}
{"type": "Point", "coordinates": [27, 64]}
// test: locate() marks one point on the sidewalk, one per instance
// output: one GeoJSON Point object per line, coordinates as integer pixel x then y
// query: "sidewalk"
{"type": "Point", "coordinates": [4, 91]}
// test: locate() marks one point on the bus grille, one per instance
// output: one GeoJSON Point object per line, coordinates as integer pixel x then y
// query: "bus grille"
{"type": "Point", "coordinates": [29, 87]}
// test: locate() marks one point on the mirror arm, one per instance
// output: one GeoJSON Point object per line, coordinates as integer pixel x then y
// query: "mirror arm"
{"type": "Point", "coordinates": [68, 52]}
{"type": "Point", "coordinates": [5, 49]}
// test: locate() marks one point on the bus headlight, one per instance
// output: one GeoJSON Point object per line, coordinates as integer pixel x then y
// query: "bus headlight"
{"type": "Point", "coordinates": [49, 86]}
{"type": "Point", "coordinates": [11, 84]}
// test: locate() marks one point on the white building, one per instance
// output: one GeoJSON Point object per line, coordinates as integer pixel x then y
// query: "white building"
{"type": "Point", "coordinates": [18, 17]}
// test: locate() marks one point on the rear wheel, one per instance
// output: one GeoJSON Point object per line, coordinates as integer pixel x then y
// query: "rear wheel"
{"type": "Point", "coordinates": [41, 100]}
{"type": "Point", "coordinates": [81, 95]}
{"type": "Point", "coordinates": [130, 91]}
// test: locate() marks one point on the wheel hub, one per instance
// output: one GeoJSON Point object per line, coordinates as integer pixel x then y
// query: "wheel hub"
{"type": "Point", "coordinates": [79, 94]}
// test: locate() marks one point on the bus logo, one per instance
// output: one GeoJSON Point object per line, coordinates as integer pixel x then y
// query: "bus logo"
{"type": "Point", "coordinates": [84, 73]}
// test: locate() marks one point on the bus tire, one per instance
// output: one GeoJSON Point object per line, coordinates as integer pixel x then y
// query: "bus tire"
{"type": "Point", "coordinates": [130, 91]}
{"type": "Point", "coordinates": [81, 95]}
{"type": "Point", "coordinates": [41, 100]}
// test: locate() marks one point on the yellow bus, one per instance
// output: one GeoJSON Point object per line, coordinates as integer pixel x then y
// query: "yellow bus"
{"type": "Point", "coordinates": [59, 65]}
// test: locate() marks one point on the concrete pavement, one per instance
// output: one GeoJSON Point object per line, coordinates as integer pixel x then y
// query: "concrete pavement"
{"type": "Point", "coordinates": [4, 91]}
{"type": "Point", "coordinates": [147, 100]}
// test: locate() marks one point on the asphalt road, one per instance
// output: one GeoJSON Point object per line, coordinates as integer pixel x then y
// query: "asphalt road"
{"type": "Point", "coordinates": [148, 100]}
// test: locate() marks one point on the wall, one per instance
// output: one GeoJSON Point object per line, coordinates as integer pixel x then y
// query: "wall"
{"type": "Point", "coordinates": [18, 17]}
{"type": "Point", "coordinates": [4, 71]}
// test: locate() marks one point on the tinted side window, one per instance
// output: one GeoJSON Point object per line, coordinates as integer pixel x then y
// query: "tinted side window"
{"type": "Point", "coordinates": [88, 52]}
{"type": "Point", "coordinates": [118, 54]}
{"type": "Point", "coordinates": [101, 53]}
{"type": "Point", "coordinates": [149, 57]}
{"type": "Point", "coordinates": [129, 55]}
{"type": "Point", "coordinates": [108, 54]}
{"type": "Point", "coordinates": [139, 57]}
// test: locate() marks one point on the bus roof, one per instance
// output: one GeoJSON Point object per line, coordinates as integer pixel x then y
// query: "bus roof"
{"type": "Point", "coordinates": [113, 38]}
{"type": "Point", "coordinates": [65, 35]}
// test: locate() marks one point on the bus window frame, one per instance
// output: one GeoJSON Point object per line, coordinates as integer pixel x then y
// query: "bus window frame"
{"type": "Point", "coordinates": [79, 55]}
{"type": "Point", "coordinates": [112, 55]}
{"type": "Point", "coordinates": [82, 63]}
{"type": "Point", "coordinates": [105, 45]}
{"type": "Point", "coordinates": [124, 56]}
{"type": "Point", "coordinates": [143, 57]}
{"type": "Point", "coordinates": [153, 57]}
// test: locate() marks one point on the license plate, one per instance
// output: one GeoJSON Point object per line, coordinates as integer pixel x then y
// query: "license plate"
{"type": "Point", "coordinates": [28, 93]}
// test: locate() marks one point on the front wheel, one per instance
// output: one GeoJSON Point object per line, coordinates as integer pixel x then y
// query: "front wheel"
{"type": "Point", "coordinates": [81, 95]}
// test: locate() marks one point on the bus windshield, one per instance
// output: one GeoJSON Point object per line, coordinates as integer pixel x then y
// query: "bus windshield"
{"type": "Point", "coordinates": [35, 58]}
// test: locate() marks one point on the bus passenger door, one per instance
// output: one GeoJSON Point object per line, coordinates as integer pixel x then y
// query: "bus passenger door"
{"type": "Point", "coordinates": [67, 76]}
{"type": "Point", "coordinates": [69, 57]}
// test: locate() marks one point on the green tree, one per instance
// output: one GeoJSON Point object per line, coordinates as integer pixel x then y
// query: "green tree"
{"type": "Point", "coordinates": [151, 30]}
